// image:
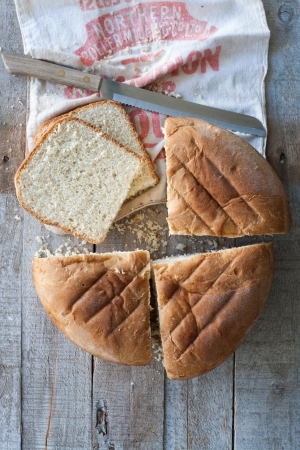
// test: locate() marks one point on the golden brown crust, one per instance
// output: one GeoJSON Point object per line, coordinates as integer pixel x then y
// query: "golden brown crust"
{"type": "Point", "coordinates": [31, 155]}
{"type": "Point", "coordinates": [219, 185]}
{"type": "Point", "coordinates": [46, 125]}
{"type": "Point", "coordinates": [208, 303]}
{"type": "Point", "coordinates": [100, 302]}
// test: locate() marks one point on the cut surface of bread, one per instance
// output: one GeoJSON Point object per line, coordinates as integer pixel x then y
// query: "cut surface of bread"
{"type": "Point", "coordinates": [208, 303]}
{"type": "Point", "coordinates": [219, 185]}
{"type": "Point", "coordinates": [76, 178]}
{"type": "Point", "coordinates": [100, 302]}
{"type": "Point", "coordinates": [112, 118]}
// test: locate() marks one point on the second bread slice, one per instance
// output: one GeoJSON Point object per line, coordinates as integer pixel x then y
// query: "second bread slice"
{"type": "Point", "coordinates": [112, 118]}
{"type": "Point", "coordinates": [76, 178]}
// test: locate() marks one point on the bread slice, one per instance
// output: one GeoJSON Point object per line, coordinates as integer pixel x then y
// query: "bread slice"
{"type": "Point", "coordinates": [76, 178]}
{"type": "Point", "coordinates": [208, 303]}
{"type": "Point", "coordinates": [219, 185]}
{"type": "Point", "coordinates": [112, 118]}
{"type": "Point", "coordinates": [100, 302]}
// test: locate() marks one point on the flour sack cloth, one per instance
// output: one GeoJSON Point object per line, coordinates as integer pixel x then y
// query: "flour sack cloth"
{"type": "Point", "coordinates": [212, 52]}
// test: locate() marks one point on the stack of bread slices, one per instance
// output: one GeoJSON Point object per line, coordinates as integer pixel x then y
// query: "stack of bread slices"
{"type": "Point", "coordinates": [84, 166]}
{"type": "Point", "coordinates": [217, 185]}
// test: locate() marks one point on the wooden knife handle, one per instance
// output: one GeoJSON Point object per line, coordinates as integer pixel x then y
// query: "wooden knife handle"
{"type": "Point", "coordinates": [24, 65]}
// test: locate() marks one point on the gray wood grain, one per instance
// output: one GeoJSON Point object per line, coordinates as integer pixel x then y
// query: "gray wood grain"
{"type": "Point", "coordinates": [10, 322]}
{"type": "Point", "coordinates": [176, 415]}
{"type": "Point", "coordinates": [56, 375]}
{"type": "Point", "coordinates": [13, 101]}
{"type": "Point", "coordinates": [267, 366]}
{"type": "Point", "coordinates": [210, 409]}
{"type": "Point", "coordinates": [133, 396]}
{"type": "Point", "coordinates": [198, 412]}
{"type": "Point", "coordinates": [12, 131]}
{"type": "Point", "coordinates": [267, 396]}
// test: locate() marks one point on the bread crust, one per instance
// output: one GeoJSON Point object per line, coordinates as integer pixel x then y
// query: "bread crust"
{"type": "Point", "coordinates": [146, 158]}
{"type": "Point", "coordinates": [219, 185]}
{"type": "Point", "coordinates": [31, 155]}
{"type": "Point", "coordinates": [100, 302]}
{"type": "Point", "coordinates": [208, 303]}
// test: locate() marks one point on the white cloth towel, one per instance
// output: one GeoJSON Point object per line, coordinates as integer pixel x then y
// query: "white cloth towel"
{"type": "Point", "coordinates": [213, 52]}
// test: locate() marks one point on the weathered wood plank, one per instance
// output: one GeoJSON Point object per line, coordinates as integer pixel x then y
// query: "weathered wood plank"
{"type": "Point", "coordinates": [176, 415]}
{"type": "Point", "coordinates": [133, 396]}
{"type": "Point", "coordinates": [134, 404]}
{"type": "Point", "coordinates": [10, 322]}
{"type": "Point", "coordinates": [267, 397]}
{"type": "Point", "coordinates": [56, 375]}
{"type": "Point", "coordinates": [12, 139]}
{"type": "Point", "coordinates": [198, 412]}
{"type": "Point", "coordinates": [267, 366]}
{"type": "Point", "coordinates": [210, 409]}
{"type": "Point", "coordinates": [13, 101]}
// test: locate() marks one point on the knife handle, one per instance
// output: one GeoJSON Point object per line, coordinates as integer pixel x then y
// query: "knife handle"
{"type": "Point", "coordinates": [24, 65]}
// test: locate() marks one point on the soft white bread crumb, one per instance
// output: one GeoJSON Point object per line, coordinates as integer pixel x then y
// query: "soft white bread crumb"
{"type": "Point", "coordinates": [76, 178]}
{"type": "Point", "coordinates": [112, 118]}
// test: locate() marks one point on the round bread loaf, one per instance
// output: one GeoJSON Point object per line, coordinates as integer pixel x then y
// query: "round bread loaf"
{"type": "Point", "coordinates": [219, 185]}
{"type": "Point", "coordinates": [208, 303]}
{"type": "Point", "coordinates": [100, 302]}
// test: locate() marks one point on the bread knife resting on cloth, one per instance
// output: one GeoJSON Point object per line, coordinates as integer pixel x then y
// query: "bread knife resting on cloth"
{"type": "Point", "coordinates": [131, 95]}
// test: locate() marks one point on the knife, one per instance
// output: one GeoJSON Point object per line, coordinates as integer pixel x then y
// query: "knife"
{"type": "Point", "coordinates": [131, 95]}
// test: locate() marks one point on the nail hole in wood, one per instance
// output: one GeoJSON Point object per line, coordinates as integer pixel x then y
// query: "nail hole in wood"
{"type": "Point", "coordinates": [278, 387]}
{"type": "Point", "coordinates": [282, 158]}
{"type": "Point", "coordinates": [101, 423]}
{"type": "Point", "coordinates": [286, 13]}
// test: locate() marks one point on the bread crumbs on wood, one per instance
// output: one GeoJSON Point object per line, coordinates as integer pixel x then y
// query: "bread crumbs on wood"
{"type": "Point", "coordinates": [68, 248]}
{"type": "Point", "coordinates": [146, 230]}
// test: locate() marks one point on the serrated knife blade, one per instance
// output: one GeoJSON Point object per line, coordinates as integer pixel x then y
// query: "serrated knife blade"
{"type": "Point", "coordinates": [131, 95]}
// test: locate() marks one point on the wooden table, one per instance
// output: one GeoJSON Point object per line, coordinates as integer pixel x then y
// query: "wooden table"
{"type": "Point", "coordinates": [55, 396]}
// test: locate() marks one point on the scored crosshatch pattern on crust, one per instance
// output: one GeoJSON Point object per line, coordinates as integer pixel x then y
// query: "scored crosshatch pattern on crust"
{"type": "Point", "coordinates": [208, 303]}
{"type": "Point", "coordinates": [219, 185]}
{"type": "Point", "coordinates": [202, 190]}
{"type": "Point", "coordinates": [192, 300]}
{"type": "Point", "coordinates": [108, 289]}
{"type": "Point", "coordinates": [100, 302]}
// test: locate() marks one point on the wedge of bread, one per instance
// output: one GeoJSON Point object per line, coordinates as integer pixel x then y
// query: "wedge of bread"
{"type": "Point", "coordinates": [208, 303]}
{"type": "Point", "coordinates": [219, 185]}
{"type": "Point", "coordinates": [76, 178]}
{"type": "Point", "coordinates": [100, 302]}
{"type": "Point", "coordinates": [112, 118]}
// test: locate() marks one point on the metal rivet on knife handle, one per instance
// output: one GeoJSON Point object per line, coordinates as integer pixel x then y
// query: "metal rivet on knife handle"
{"type": "Point", "coordinates": [86, 79]}
{"type": "Point", "coordinates": [61, 73]}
